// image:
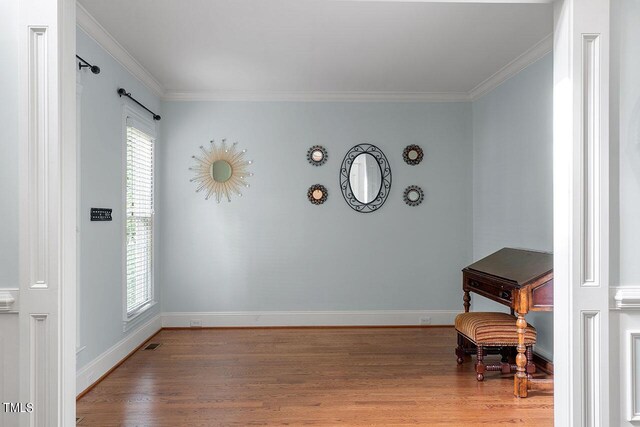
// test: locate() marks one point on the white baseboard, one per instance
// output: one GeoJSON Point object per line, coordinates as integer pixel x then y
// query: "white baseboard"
{"type": "Point", "coordinates": [310, 318]}
{"type": "Point", "coordinates": [90, 373]}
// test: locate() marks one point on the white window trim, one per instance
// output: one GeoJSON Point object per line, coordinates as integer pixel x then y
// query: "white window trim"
{"type": "Point", "coordinates": [148, 126]}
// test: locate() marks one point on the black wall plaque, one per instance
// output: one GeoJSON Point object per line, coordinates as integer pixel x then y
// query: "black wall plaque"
{"type": "Point", "coordinates": [101, 214]}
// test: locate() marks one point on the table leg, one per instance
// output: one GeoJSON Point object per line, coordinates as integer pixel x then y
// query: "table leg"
{"type": "Point", "coordinates": [520, 381]}
{"type": "Point", "coordinates": [467, 301]}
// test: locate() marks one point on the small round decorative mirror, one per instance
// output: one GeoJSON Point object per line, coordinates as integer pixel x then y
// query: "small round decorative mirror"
{"type": "Point", "coordinates": [317, 155]}
{"type": "Point", "coordinates": [412, 154]}
{"type": "Point", "coordinates": [413, 195]}
{"type": "Point", "coordinates": [317, 194]}
{"type": "Point", "coordinates": [365, 178]}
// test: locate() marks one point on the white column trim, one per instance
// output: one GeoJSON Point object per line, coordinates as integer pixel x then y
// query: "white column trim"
{"type": "Point", "coordinates": [69, 214]}
{"type": "Point", "coordinates": [46, 35]}
{"type": "Point", "coordinates": [39, 368]}
{"type": "Point", "coordinates": [9, 300]}
{"type": "Point", "coordinates": [633, 383]}
{"type": "Point", "coordinates": [625, 298]}
{"type": "Point", "coordinates": [591, 365]}
{"type": "Point", "coordinates": [581, 212]}
{"type": "Point", "coordinates": [38, 157]}
{"type": "Point", "coordinates": [591, 143]}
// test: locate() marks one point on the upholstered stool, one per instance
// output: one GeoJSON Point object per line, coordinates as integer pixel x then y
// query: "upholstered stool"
{"type": "Point", "coordinates": [493, 330]}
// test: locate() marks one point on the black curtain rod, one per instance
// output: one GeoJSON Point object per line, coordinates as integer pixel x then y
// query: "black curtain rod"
{"type": "Point", "coordinates": [123, 92]}
{"type": "Point", "coordinates": [84, 64]}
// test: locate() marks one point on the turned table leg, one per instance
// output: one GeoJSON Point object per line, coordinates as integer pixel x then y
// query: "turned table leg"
{"type": "Point", "coordinates": [467, 301]}
{"type": "Point", "coordinates": [520, 381]}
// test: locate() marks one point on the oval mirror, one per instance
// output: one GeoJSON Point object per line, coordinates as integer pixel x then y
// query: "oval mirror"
{"type": "Point", "coordinates": [221, 171]}
{"type": "Point", "coordinates": [365, 178]}
{"type": "Point", "coordinates": [317, 155]}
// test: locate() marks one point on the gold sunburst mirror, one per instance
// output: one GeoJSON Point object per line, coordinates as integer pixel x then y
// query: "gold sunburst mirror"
{"type": "Point", "coordinates": [221, 170]}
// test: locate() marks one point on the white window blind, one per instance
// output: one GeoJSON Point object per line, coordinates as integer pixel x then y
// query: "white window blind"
{"type": "Point", "coordinates": [139, 223]}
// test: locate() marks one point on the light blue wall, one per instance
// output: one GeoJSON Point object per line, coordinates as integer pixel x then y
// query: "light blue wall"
{"type": "Point", "coordinates": [486, 175]}
{"type": "Point", "coordinates": [273, 250]}
{"type": "Point", "coordinates": [101, 243]}
{"type": "Point", "coordinates": [9, 84]}
{"type": "Point", "coordinates": [513, 175]}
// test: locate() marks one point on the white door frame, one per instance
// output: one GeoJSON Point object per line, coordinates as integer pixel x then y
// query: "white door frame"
{"type": "Point", "coordinates": [47, 210]}
{"type": "Point", "coordinates": [581, 212]}
{"type": "Point", "coordinates": [581, 176]}
{"type": "Point", "coordinates": [69, 197]}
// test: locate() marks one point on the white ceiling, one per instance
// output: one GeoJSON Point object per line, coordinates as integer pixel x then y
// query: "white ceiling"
{"type": "Point", "coordinates": [213, 46]}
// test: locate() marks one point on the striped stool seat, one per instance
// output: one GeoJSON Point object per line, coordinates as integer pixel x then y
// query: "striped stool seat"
{"type": "Point", "coordinates": [485, 330]}
{"type": "Point", "coordinates": [492, 329]}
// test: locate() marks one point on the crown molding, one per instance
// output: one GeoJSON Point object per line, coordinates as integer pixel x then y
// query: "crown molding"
{"type": "Point", "coordinates": [97, 32]}
{"type": "Point", "coordinates": [532, 55]}
{"type": "Point", "coordinates": [318, 96]}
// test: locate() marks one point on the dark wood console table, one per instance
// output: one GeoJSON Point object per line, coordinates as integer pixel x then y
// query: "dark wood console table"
{"type": "Point", "coordinates": [523, 281]}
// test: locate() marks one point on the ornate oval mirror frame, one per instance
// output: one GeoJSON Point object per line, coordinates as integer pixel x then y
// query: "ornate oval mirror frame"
{"type": "Point", "coordinates": [345, 183]}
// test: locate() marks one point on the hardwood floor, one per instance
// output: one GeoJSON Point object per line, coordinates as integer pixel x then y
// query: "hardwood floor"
{"type": "Point", "coordinates": [306, 377]}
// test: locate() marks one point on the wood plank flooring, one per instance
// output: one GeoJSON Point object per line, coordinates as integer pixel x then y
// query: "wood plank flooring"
{"type": "Point", "coordinates": [307, 377]}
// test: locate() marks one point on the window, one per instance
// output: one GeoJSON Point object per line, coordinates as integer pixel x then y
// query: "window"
{"type": "Point", "coordinates": [139, 219]}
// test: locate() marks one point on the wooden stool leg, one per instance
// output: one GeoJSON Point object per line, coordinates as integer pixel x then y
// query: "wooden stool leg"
{"type": "Point", "coordinates": [520, 381]}
{"type": "Point", "coordinates": [466, 298]}
{"type": "Point", "coordinates": [531, 367]}
{"type": "Point", "coordinates": [480, 368]}
{"type": "Point", "coordinates": [460, 350]}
